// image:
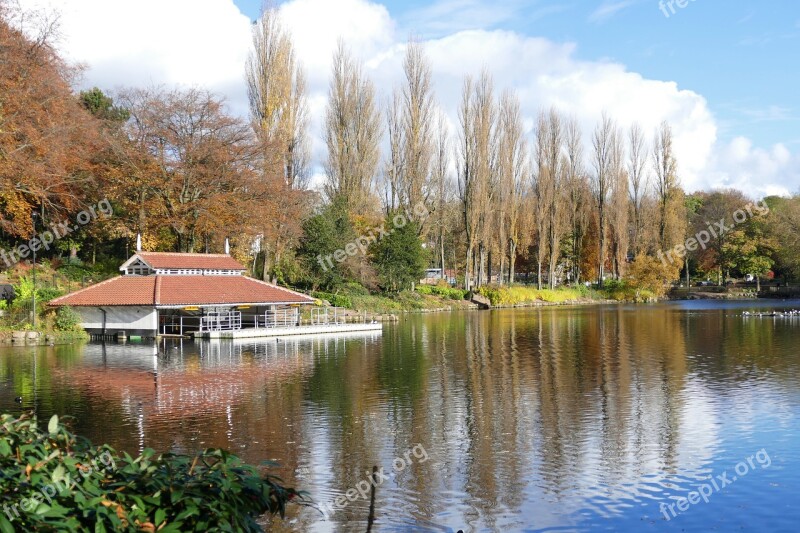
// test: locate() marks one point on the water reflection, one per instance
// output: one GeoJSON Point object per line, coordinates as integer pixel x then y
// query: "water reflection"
{"type": "Point", "coordinates": [579, 418]}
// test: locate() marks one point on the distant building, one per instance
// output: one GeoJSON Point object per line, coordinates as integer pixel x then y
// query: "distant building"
{"type": "Point", "coordinates": [434, 275]}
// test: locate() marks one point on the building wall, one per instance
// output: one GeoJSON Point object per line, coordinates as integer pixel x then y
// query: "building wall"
{"type": "Point", "coordinates": [131, 319]}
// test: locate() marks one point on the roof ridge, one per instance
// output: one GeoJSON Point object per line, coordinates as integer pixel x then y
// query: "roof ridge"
{"type": "Point", "coordinates": [182, 253]}
{"type": "Point", "coordinates": [157, 290]}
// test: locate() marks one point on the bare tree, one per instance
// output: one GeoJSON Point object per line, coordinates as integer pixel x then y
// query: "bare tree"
{"type": "Point", "coordinates": [477, 161]}
{"type": "Point", "coordinates": [554, 168]}
{"type": "Point", "coordinates": [618, 219]}
{"type": "Point", "coordinates": [393, 166]}
{"type": "Point", "coordinates": [541, 195]}
{"type": "Point", "coordinates": [352, 134]}
{"type": "Point", "coordinates": [577, 197]}
{"type": "Point", "coordinates": [276, 90]}
{"type": "Point", "coordinates": [639, 182]}
{"type": "Point", "coordinates": [417, 131]}
{"type": "Point", "coordinates": [604, 144]}
{"type": "Point", "coordinates": [512, 171]}
{"type": "Point", "coordinates": [666, 184]}
{"type": "Point", "coordinates": [441, 170]}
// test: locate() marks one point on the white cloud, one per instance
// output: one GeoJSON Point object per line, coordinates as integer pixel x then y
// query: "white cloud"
{"type": "Point", "coordinates": [609, 8]}
{"type": "Point", "coordinates": [205, 43]}
{"type": "Point", "coordinates": [755, 171]}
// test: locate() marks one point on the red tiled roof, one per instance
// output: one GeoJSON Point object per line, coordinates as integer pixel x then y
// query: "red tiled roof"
{"type": "Point", "coordinates": [180, 290]}
{"type": "Point", "coordinates": [199, 261]}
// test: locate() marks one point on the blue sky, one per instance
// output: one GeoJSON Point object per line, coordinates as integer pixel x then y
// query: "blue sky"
{"type": "Point", "coordinates": [742, 56]}
{"type": "Point", "coordinates": [722, 74]}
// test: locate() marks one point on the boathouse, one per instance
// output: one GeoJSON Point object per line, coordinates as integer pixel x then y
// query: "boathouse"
{"type": "Point", "coordinates": [161, 293]}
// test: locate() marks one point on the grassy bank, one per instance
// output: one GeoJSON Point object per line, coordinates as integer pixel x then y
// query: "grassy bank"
{"type": "Point", "coordinates": [437, 297]}
{"type": "Point", "coordinates": [518, 295]}
{"type": "Point", "coordinates": [424, 298]}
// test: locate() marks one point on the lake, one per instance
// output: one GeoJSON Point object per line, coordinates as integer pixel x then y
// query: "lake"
{"type": "Point", "coordinates": [674, 416]}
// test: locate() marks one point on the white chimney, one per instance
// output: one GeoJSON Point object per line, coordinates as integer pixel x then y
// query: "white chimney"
{"type": "Point", "coordinates": [138, 242]}
{"type": "Point", "coordinates": [227, 246]}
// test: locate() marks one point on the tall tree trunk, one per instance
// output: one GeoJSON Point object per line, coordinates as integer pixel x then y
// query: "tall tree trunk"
{"type": "Point", "coordinates": [489, 269]}
{"type": "Point", "coordinates": [512, 260]}
{"type": "Point", "coordinates": [467, 273]}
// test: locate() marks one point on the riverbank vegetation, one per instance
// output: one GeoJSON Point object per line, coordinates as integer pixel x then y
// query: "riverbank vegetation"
{"type": "Point", "coordinates": [54, 481]}
{"type": "Point", "coordinates": [401, 188]}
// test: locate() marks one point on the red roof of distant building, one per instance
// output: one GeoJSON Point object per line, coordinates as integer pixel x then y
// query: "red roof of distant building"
{"type": "Point", "coordinates": [181, 291]}
{"type": "Point", "coordinates": [190, 261]}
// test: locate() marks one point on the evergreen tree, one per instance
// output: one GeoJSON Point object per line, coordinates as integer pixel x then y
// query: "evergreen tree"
{"type": "Point", "coordinates": [399, 256]}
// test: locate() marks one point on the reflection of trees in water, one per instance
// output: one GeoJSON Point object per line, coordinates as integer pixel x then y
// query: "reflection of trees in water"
{"type": "Point", "coordinates": [519, 411]}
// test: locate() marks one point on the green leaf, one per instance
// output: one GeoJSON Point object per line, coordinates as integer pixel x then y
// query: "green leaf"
{"type": "Point", "coordinates": [52, 426]}
{"type": "Point", "coordinates": [5, 448]}
{"type": "Point", "coordinates": [5, 525]}
{"type": "Point", "coordinates": [161, 514]}
{"type": "Point", "coordinates": [58, 474]}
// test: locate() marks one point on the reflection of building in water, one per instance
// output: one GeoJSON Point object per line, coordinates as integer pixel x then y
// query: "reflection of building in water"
{"type": "Point", "coordinates": [201, 394]}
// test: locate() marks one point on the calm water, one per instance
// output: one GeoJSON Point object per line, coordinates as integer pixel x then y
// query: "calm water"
{"type": "Point", "coordinates": [556, 419]}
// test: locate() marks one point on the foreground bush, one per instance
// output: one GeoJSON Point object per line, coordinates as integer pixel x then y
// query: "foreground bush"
{"type": "Point", "coordinates": [51, 480]}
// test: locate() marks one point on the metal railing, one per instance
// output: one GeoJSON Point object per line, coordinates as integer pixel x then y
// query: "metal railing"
{"type": "Point", "coordinates": [279, 318]}
{"type": "Point", "coordinates": [324, 316]}
{"type": "Point", "coordinates": [221, 321]}
{"type": "Point", "coordinates": [179, 324]}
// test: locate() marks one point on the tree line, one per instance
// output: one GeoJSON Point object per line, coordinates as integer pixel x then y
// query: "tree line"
{"type": "Point", "coordinates": [483, 196]}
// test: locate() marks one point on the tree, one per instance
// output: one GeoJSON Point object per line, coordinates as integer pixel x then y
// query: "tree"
{"type": "Point", "coordinates": [442, 185]}
{"type": "Point", "coordinates": [47, 138]}
{"type": "Point", "coordinates": [323, 235]}
{"type": "Point", "coordinates": [670, 215]}
{"type": "Point", "coordinates": [639, 183]}
{"type": "Point", "coordinates": [605, 144]}
{"type": "Point", "coordinates": [477, 163]}
{"type": "Point", "coordinates": [352, 134]}
{"type": "Point", "coordinates": [619, 216]}
{"type": "Point", "coordinates": [417, 128]}
{"type": "Point", "coordinates": [201, 177]}
{"type": "Point", "coordinates": [399, 256]}
{"type": "Point", "coordinates": [552, 174]}
{"type": "Point", "coordinates": [784, 227]}
{"type": "Point", "coordinates": [276, 89]}
{"type": "Point", "coordinates": [512, 168]}
{"type": "Point", "coordinates": [578, 196]}
{"type": "Point", "coordinates": [649, 277]}
{"type": "Point", "coordinates": [102, 106]}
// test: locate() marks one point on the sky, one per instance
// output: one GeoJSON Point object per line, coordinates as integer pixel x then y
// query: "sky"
{"type": "Point", "coordinates": [725, 75]}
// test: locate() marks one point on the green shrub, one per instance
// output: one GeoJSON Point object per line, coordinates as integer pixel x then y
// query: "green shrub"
{"type": "Point", "coordinates": [450, 293]}
{"type": "Point", "coordinates": [47, 293]}
{"type": "Point", "coordinates": [355, 289]}
{"type": "Point", "coordinates": [54, 481]}
{"type": "Point", "coordinates": [66, 319]}
{"type": "Point", "coordinates": [336, 300]}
